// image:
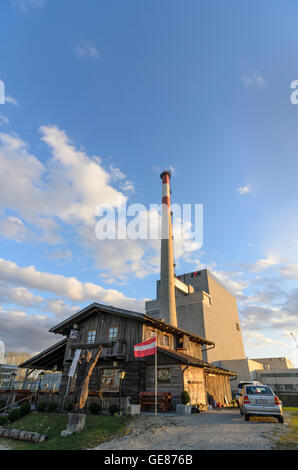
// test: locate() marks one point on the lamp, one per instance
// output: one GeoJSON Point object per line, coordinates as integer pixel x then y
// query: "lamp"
{"type": "Point", "coordinates": [40, 376]}
{"type": "Point", "coordinates": [121, 374]}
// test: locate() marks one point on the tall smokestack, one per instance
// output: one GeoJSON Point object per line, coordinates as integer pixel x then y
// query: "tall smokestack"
{"type": "Point", "coordinates": [167, 281]}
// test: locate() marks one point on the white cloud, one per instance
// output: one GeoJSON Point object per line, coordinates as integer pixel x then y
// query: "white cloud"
{"type": "Point", "coordinates": [290, 271]}
{"type": "Point", "coordinates": [259, 340]}
{"type": "Point", "coordinates": [253, 79]}
{"type": "Point", "coordinates": [26, 5]}
{"type": "Point", "coordinates": [63, 193]}
{"type": "Point", "coordinates": [69, 287]}
{"type": "Point", "coordinates": [11, 100]}
{"type": "Point", "coordinates": [244, 189]}
{"type": "Point", "coordinates": [262, 263]}
{"type": "Point", "coordinates": [86, 49]}
{"type": "Point", "coordinates": [60, 308]}
{"type": "Point", "coordinates": [4, 121]}
{"type": "Point", "coordinates": [18, 296]}
{"type": "Point", "coordinates": [22, 332]}
{"type": "Point", "coordinates": [59, 254]}
{"type": "Point", "coordinates": [13, 228]}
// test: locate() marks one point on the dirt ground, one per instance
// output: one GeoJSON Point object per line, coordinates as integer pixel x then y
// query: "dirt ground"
{"type": "Point", "coordinates": [211, 430]}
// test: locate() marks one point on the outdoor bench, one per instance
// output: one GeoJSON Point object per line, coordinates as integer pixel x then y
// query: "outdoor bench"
{"type": "Point", "coordinates": [164, 400]}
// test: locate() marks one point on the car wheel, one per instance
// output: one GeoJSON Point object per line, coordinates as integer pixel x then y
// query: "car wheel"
{"type": "Point", "coordinates": [246, 417]}
{"type": "Point", "coordinates": [280, 419]}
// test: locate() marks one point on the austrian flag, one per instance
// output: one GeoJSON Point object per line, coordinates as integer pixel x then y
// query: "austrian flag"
{"type": "Point", "coordinates": [148, 348]}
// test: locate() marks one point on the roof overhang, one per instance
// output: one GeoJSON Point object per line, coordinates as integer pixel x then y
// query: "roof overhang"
{"type": "Point", "coordinates": [65, 326]}
{"type": "Point", "coordinates": [48, 359]}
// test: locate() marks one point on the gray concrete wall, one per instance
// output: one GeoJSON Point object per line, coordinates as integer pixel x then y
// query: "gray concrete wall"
{"type": "Point", "coordinates": [211, 312]}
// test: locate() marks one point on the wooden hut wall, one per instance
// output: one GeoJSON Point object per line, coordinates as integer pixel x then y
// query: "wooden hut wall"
{"type": "Point", "coordinates": [194, 384]}
{"type": "Point", "coordinates": [218, 385]}
{"type": "Point", "coordinates": [175, 384]}
{"type": "Point", "coordinates": [190, 348]}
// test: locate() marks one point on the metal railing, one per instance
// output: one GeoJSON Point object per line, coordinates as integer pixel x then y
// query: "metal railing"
{"type": "Point", "coordinates": [13, 403]}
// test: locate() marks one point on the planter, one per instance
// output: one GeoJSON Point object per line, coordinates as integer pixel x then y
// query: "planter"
{"type": "Point", "coordinates": [183, 409]}
{"type": "Point", "coordinates": [133, 410]}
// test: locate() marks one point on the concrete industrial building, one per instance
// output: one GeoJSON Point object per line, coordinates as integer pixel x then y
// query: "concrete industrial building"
{"type": "Point", "coordinates": [277, 372]}
{"type": "Point", "coordinates": [205, 307]}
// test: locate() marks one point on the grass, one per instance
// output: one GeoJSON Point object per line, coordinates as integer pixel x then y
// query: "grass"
{"type": "Point", "coordinates": [289, 439]}
{"type": "Point", "coordinates": [98, 428]}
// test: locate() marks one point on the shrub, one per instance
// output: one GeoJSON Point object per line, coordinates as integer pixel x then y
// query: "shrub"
{"type": "Point", "coordinates": [185, 398]}
{"type": "Point", "coordinates": [41, 406]}
{"type": "Point", "coordinates": [94, 408]}
{"type": "Point", "coordinates": [15, 414]}
{"type": "Point", "coordinates": [25, 409]}
{"type": "Point", "coordinates": [3, 420]}
{"type": "Point", "coordinates": [69, 407]}
{"type": "Point", "coordinates": [52, 407]}
{"type": "Point", "coordinates": [113, 409]}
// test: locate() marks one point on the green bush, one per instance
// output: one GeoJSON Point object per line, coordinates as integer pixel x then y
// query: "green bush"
{"type": "Point", "coordinates": [25, 409]}
{"type": "Point", "coordinates": [113, 409]}
{"type": "Point", "coordinates": [185, 398]}
{"type": "Point", "coordinates": [41, 406]}
{"type": "Point", "coordinates": [52, 407]}
{"type": "Point", "coordinates": [69, 407]}
{"type": "Point", "coordinates": [15, 414]}
{"type": "Point", "coordinates": [94, 408]}
{"type": "Point", "coordinates": [2, 404]}
{"type": "Point", "coordinates": [3, 420]}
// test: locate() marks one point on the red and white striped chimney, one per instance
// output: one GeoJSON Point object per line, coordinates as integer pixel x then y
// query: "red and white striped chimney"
{"type": "Point", "coordinates": [167, 280]}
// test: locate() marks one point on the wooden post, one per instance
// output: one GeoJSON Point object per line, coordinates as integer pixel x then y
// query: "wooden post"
{"type": "Point", "coordinates": [156, 377]}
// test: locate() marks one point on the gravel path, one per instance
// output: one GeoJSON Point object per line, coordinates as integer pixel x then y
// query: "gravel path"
{"type": "Point", "coordinates": [211, 430]}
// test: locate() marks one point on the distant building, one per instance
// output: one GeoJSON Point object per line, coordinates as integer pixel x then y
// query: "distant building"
{"type": "Point", "coordinates": [277, 372]}
{"type": "Point", "coordinates": [206, 308]}
{"type": "Point", "coordinates": [7, 379]}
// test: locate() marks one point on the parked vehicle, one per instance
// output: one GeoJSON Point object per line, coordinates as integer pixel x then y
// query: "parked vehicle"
{"type": "Point", "coordinates": [260, 400]}
{"type": "Point", "coordinates": [241, 384]}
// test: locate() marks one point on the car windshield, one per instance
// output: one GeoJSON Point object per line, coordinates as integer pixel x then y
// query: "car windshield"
{"type": "Point", "coordinates": [258, 390]}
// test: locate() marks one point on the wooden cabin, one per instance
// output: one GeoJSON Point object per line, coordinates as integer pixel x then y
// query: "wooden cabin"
{"type": "Point", "coordinates": [179, 356]}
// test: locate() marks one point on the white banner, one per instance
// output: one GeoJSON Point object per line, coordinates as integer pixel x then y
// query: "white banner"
{"type": "Point", "coordinates": [74, 363]}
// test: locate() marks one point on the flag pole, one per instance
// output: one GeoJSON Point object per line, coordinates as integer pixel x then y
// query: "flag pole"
{"type": "Point", "coordinates": [156, 377]}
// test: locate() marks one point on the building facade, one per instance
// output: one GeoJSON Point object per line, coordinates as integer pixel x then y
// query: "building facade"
{"type": "Point", "coordinates": [205, 307]}
{"type": "Point", "coordinates": [277, 372]}
{"type": "Point", "coordinates": [179, 357]}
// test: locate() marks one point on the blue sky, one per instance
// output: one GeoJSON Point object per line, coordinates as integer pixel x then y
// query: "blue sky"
{"type": "Point", "coordinates": [123, 90]}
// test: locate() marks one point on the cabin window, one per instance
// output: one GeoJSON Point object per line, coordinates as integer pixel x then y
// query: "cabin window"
{"type": "Point", "coordinates": [164, 375]}
{"type": "Point", "coordinates": [166, 340]}
{"type": "Point", "coordinates": [91, 336]}
{"type": "Point", "coordinates": [152, 333]}
{"type": "Point", "coordinates": [113, 333]}
{"type": "Point", "coordinates": [109, 378]}
{"type": "Point", "coordinates": [237, 326]}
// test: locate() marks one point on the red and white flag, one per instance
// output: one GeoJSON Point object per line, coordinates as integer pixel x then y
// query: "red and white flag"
{"type": "Point", "coordinates": [148, 348]}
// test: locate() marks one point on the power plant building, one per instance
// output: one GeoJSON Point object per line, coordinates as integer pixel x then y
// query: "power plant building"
{"type": "Point", "coordinates": [205, 307]}
{"type": "Point", "coordinates": [196, 301]}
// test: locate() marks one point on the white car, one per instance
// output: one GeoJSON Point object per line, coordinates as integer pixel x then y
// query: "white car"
{"type": "Point", "coordinates": [241, 384]}
{"type": "Point", "coordinates": [260, 400]}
